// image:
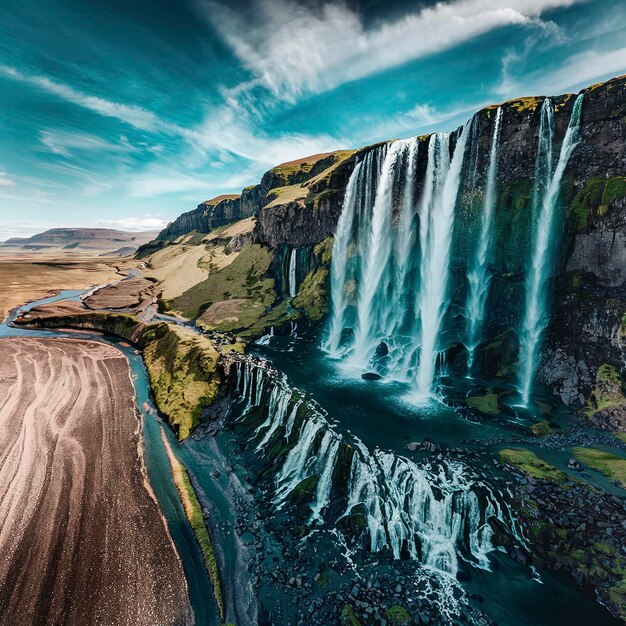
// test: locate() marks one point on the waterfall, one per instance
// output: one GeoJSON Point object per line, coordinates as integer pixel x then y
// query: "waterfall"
{"type": "Point", "coordinates": [391, 258]}
{"type": "Point", "coordinates": [436, 227]}
{"type": "Point", "coordinates": [437, 514]}
{"type": "Point", "coordinates": [293, 286]}
{"type": "Point", "coordinates": [374, 256]}
{"type": "Point", "coordinates": [339, 263]}
{"type": "Point", "coordinates": [545, 202]}
{"type": "Point", "coordinates": [479, 277]}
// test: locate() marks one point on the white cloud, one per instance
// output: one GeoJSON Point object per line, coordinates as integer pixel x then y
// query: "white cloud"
{"type": "Point", "coordinates": [135, 116]}
{"type": "Point", "coordinates": [295, 49]}
{"type": "Point", "coordinates": [579, 70]}
{"type": "Point", "coordinates": [227, 129]}
{"type": "Point", "coordinates": [584, 68]}
{"type": "Point", "coordinates": [65, 143]}
{"type": "Point", "coordinates": [134, 223]}
{"type": "Point", "coordinates": [5, 181]}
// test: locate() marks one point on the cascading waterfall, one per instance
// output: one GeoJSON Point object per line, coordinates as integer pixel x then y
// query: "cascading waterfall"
{"type": "Point", "coordinates": [436, 227]}
{"type": "Point", "coordinates": [437, 515]}
{"type": "Point", "coordinates": [479, 277]}
{"type": "Point", "coordinates": [339, 266]}
{"type": "Point", "coordinates": [293, 285]}
{"type": "Point", "coordinates": [393, 299]}
{"type": "Point", "coordinates": [545, 205]}
{"type": "Point", "coordinates": [374, 263]}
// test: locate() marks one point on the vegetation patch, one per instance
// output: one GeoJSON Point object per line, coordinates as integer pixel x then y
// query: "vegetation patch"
{"type": "Point", "coordinates": [529, 463]}
{"type": "Point", "coordinates": [182, 367]}
{"type": "Point", "coordinates": [530, 104]}
{"type": "Point", "coordinates": [311, 297]}
{"type": "Point", "coordinates": [594, 198]}
{"type": "Point", "coordinates": [193, 512]}
{"type": "Point", "coordinates": [397, 615]}
{"type": "Point", "coordinates": [606, 463]}
{"type": "Point", "coordinates": [541, 429]}
{"type": "Point", "coordinates": [485, 404]}
{"type": "Point", "coordinates": [607, 393]}
{"type": "Point", "coordinates": [245, 278]}
{"type": "Point", "coordinates": [348, 616]}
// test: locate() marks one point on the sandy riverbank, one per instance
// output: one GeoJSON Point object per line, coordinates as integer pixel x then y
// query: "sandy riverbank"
{"type": "Point", "coordinates": [26, 278]}
{"type": "Point", "coordinates": [82, 540]}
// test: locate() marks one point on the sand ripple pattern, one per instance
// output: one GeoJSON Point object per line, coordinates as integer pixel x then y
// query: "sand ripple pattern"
{"type": "Point", "coordinates": [82, 539]}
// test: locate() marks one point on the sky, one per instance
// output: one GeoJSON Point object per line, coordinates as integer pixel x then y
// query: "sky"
{"type": "Point", "coordinates": [126, 113]}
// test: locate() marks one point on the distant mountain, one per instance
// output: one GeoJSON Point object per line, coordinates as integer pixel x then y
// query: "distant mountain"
{"type": "Point", "coordinates": [98, 241]}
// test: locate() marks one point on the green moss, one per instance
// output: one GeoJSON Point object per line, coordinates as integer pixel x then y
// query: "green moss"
{"type": "Point", "coordinates": [397, 615]}
{"type": "Point", "coordinates": [608, 464]}
{"type": "Point", "coordinates": [607, 392]}
{"type": "Point", "coordinates": [204, 540]}
{"type": "Point", "coordinates": [348, 616]}
{"type": "Point", "coordinates": [485, 404]}
{"type": "Point", "coordinates": [183, 374]}
{"type": "Point", "coordinates": [617, 595]}
{"type": "Point", "coordinates": [311, 296]}
{"type": "Point", "coordinates": [531, 464]}
{"type": "Point", "coordinates": [529, 104]}
{"type": "Point", "coordinates": [541, 429]}
{"type": "Point", "coordinates": [274, 317]}
{"type": "Point", "coordinates": [304, 491]}
{"type": "Point", "coordinates": [594, 197]}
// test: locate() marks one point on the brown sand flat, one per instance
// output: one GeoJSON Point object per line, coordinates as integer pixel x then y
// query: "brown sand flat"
{"type": "Point", "coordinates": [26, 278]}
{"type": "Point", "coordinates": [82, 540]}
{"type": "Point", "coordinates": [125, 294]}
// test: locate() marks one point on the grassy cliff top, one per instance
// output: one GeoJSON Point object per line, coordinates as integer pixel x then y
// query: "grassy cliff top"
{"type": "Point", "coordinates": [225, 196]}
{"type": "Point", "coordinates": [300, 191]}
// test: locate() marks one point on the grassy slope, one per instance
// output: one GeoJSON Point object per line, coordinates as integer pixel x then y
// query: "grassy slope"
{"type": "Point", "coordinates": [182, 367]}
{"type": "Point", "coordinates": [243, 279]}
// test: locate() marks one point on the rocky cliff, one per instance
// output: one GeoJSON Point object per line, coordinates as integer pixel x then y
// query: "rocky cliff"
{"type": "Point", "coordinates": [297, 206]}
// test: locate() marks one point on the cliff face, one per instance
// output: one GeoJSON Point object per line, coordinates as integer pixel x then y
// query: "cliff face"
{"type": "Point", "coordinates": [207, 216]}
{"type": "Point", "coordinates": [588, 297]}
{"type": "Point", "coordinates": [297, 206]}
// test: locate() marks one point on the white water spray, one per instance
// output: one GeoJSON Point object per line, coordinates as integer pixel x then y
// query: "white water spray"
{"type": "Point", "coordinates": [545, 206]}
{"type": "Point", "coordinates": [479, 277]}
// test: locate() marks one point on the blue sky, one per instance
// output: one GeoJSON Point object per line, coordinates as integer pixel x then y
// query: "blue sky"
{"type": "Point", "coordinates": [125, 113]}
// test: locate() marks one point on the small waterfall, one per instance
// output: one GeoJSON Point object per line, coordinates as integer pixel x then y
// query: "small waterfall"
{"type": "Point", "coordinates": [338, 271]}
{"type": "Point", "coordinates": [436, 227]}
{"type": "Point", "coordinates": [438, 515]}
{"type": "Point", "coordinates": [293, 285]}
{"type": "Point", "coordinates": [479, 277]}
{"type": "Point", "coordinates": [545, 205]}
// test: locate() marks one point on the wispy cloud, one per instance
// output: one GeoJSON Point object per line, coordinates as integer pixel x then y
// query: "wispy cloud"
{"type": "Point", "coordinates": [67, 143]}
{"type": "Point", "coordinates": [5, 181]}
{"type": "Point", "coordinates": [578, 70]}
{"type": "Point", "coordinates": [146, 222]}
{"type": "Point", "coordinates": [296, 49]}
{"type": "Point", "coordinates": [228, 128]}
{"type": "Point", "coordinates": [135, 116]}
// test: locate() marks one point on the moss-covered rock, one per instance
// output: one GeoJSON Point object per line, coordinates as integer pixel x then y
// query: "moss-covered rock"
{"type": "Point", "coordinates": [183, 371]}
{"type": "Point", "coordinates": [397, 615]}
{"type": "Point", "coordinates": [606, 406]}
{"type": "Point", "coordinates": [529, 463]}
{"type": "Point", "coordinates": [610, 465]}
